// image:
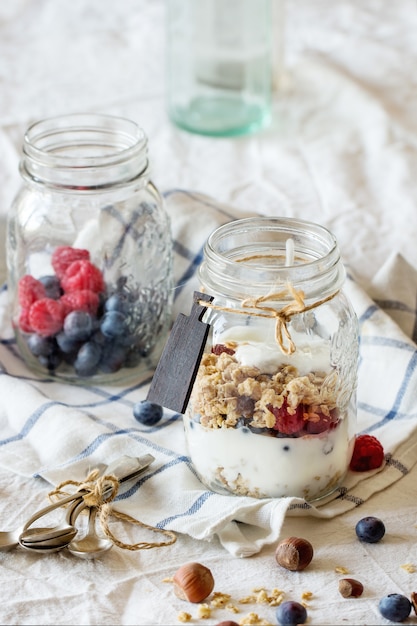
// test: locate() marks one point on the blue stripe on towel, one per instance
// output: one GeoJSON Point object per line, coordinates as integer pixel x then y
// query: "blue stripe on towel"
{"type": "Point", "coordinates": [192, 510]}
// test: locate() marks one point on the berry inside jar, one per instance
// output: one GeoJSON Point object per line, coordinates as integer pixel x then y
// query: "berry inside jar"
{"type": "Point", "coordinates": [264, 424]}
{"type": "Point", "coordinates": [73, 323]}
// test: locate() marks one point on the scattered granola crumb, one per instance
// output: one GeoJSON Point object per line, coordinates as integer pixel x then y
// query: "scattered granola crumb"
{"type": "Point", "coordinates": [204, 611]}
{"type": "Point", "coordinates": [341, 570]}
{"type": "Point", "coordinates": [306, 595]}
{"type": "Point", "coordinates": [247, 600]}
{"type": "Point", "coordinates": [219, 599]}
{"type": "Point", "coordinates": [276, 597]}
{"type": "Point", "coordinates": [409, 567]}
{"type": "Point", "coordinates": [232, 608]}
{"type": "Point", "coordinates": [262, 597]}
{"type": "Point", "coordinates": [253, 618]}
{"type": "Point", "coordinates": [168, 579]}
{"type": "Point", "coordinates": [183, 617]}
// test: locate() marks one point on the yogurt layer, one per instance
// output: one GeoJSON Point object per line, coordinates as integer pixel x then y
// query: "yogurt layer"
{"type": "Point", "coordinates": [257, 346]}
{"type": "Point", "coordinates": [236, 460]}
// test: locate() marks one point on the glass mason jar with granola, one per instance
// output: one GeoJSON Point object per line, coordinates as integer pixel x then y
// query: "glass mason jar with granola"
{"type": "Point", "coordinates": [272, 411]}
{"type": "Point", "coordinates": [89, 252]}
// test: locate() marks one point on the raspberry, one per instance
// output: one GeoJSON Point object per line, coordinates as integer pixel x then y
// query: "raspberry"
{"type": "Point", "coordinates": [24, 323]}
{"type": "Point", "coordinates": [82, 275]}
{"type": "Point", "coordinates": [317, 422]}
{"type": "Point", "coordinates": [46, 317]}
{"type": "Point", "coordinates": [368, 454]}
{"type": "Point", "coordinates": [219, 348]}
{"type": "Point", "coordinates": [285, 422]}
{"type": "Point", "coordinates": [63, 256]}
{"type": "Point", "coordinates": [82, 300]}
{"type": "Point", "coordinates": [30, 290]}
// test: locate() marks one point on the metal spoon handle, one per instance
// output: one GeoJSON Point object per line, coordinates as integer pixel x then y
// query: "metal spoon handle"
{"type": "Point", "coordinates": [126, 468]}
{"type": "Point", "coordinates": [51, 507]}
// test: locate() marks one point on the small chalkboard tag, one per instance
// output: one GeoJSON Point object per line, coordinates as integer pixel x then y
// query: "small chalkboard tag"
{"type": "Point", "coordinates": [175, 374]}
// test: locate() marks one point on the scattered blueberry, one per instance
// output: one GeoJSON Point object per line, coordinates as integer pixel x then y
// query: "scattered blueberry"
{"type": "Point", "coordinates": [370, 529]}
{"type": "Point", "coordinates": [291, 613]}
{"type": "Point", "coordinates": [147, 413]}
{"type": "Point", "coordinates": [395, 607]}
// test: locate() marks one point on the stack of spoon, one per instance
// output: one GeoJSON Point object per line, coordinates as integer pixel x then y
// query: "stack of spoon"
{"type": "Point", "coordinates": [46, 540]}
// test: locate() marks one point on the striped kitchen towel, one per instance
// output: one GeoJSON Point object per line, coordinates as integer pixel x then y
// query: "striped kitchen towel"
{"type": "Point", "coordinates": [55, 431]}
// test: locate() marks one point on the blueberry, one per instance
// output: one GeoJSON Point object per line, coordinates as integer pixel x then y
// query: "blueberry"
{"type": "Point", "coordinates": [51, 362]}
{"type": "Point", "coordinates": [52, 286]}
{"type": "Point", "coordinates": [133, 358]}
{"type": "Point", "coordinates": [370, 529]}
{"type": "Point", "coordinates": [78, 325]}
{"type": "Point", "coordinates": [291, 613]}
{"type": "Point", "coordinates": [66, 344]}
{"type": "Point", "coordinates": [118, 302]}
{"type": "Point", "coordinates": [114, 324]}
{"type": "Point", "coordinates": [41, 346]}
{"type": "Point", "coordinates": [88, 358]}
{"type": "Point", "coordinates": [147, 413]}
{"type": "Point", "coordinates": [395, 607]}
{"type": "Point", "coordinates": [112, 357]}
{"type": "Point", "coordinates": [245, 406]}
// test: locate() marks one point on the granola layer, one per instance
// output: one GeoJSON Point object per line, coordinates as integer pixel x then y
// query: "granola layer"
{"type": "Point", "coordinates": [225, 392]}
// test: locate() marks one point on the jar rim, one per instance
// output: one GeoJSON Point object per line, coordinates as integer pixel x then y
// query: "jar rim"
{"type": "Point", "coordinates": [102, 149]}
{"type": "Point", "coordinates": [234, 254]}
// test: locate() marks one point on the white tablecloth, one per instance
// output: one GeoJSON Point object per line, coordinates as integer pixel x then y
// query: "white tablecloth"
{"type": "Point", "coordinates": [342, 151]}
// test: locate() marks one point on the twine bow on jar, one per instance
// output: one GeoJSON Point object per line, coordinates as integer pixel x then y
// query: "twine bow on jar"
{"type": "Point", "coordinates": [100, 493]}
{"type": "Point", "coordinates": [282, 316]}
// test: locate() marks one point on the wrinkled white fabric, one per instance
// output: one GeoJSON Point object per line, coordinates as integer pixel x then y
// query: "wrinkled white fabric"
{"type": "Point", "coordinates": [341, 151]}
{"type": "Point", "coordinates": [99, 424]}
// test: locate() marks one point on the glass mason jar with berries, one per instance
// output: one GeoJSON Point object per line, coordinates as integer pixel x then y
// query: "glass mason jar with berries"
{"type": "Point", "coordinates": [89, 252]}
{"type": "Point", "coordinates": [272, 411]}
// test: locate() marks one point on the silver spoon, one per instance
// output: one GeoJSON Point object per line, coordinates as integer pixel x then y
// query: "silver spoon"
{"type": "Point", "coordinates": [91, 545]}
{"type": "Point", "coordinates": [10, 538]}
{"type": "Point", "coordinates": [126, 468]}
{"type": "Point", "coordinates": [59, 541]}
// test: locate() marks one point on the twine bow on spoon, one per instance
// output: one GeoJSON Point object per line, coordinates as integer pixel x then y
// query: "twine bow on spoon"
{"type": "Point", "coordinates": [100, 493]}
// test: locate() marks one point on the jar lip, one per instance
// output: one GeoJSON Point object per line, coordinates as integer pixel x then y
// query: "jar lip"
{"type": "Point", "coordinates": [248, 257]}
{"type": "Point", "coordinates": [44, 139]}
{"type": "Point", "coordinates": [291, 225]}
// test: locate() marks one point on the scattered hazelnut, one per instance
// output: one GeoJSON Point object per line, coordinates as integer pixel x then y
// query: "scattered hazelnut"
{"type": "Point", "coordinates": [350, 588]}
{"type": "Point", "coordinates": [193, 582]}
{"type": "Point", "coordinates": [294, 553]}
{"type": "Point", "coordinates": [228, 622]}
